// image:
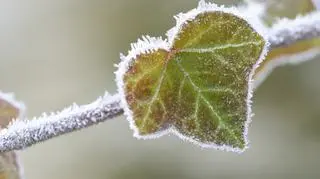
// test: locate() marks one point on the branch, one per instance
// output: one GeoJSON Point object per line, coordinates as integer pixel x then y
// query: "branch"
{"type": "Point", "coordinates": [286, 32]}
{"type": "Point", "coordinates": [23, 133]}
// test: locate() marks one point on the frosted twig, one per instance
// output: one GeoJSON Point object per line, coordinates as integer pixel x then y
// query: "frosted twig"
{"type": "Point", "coordinates": [23, 133]}
{"type": "Point", "coordinates": [286, 31]}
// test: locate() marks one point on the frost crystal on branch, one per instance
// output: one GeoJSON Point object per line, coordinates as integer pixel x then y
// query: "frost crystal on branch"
{"type": "Point", "coordinates": [10, 165]}
{"type": "Point", "coordinates": [206, 101]}
{"type": "Point", "coordinates": [23, 133]}
{"type": "Point", "coordinates": [286, 31]}
{"type": "Point", "coordinates": [198, 83]}
{"type": "Point", "coordinates": [283, 60]}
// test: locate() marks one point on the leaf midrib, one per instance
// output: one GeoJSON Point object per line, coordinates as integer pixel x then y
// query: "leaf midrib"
{"type": "Point", "coordinates": [220, 47]}
{"type": "Point", "coordinates": [198, 90]}
{"type": "Point", "coordinates": [154, 97]}
{"type": "Point", "coordinates": [170, 56]}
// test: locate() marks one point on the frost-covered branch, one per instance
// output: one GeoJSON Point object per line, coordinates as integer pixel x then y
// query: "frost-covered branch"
{"type": "Point", "coordinates": [23, 133]}
{"type": "Point", "coordinates": [286, 31]}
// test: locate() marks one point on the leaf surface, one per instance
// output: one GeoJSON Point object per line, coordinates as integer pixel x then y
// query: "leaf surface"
{"type": "Point", "coordinates": [197, 87]}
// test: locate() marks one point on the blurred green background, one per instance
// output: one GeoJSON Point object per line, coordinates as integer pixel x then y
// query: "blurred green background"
{"type": "Point", "coordinates": [55, 52]}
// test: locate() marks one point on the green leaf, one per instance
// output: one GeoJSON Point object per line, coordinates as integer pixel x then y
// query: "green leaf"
{"type": "Point", "coordinates": [9, 163]}
{"type": "Point", "coordinates": [196, 85]}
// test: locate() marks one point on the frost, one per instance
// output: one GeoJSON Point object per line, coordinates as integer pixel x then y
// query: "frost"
{"type": "Point", "coordinates": [293, 59]}
{"type": "Point", "coordinates": [10, 164]}
{"type": "Point", "coordinates": [151, 44]}
{"type": "Point", "coordinates": [285, 31]}
{"type": "Point", "coordinates": [23, 133]}
{"type": "Point", "coordinates": [146, 45]}
{"type": "Point", "coordinates": [203, 7]}
{"type": "Point", "coordinates": [255, 8]}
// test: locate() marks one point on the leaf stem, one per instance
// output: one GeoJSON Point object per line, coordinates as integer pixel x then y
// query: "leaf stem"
{"type": "Point", "coordinates": [24, 133]}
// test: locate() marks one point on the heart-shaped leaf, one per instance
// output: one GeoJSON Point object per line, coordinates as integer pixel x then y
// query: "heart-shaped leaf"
{"type": "Point", "coordinates": [198, 83]}
{"type": "Point", "coordinates": [9, 161]}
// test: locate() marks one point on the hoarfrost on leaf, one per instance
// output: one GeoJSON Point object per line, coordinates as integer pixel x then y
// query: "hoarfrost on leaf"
{"type": "Point", "coordinates": [198, 83]}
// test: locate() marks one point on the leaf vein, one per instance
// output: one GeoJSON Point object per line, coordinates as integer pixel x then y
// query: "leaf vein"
{"type": "Point", "coordinates": [154, 97]}
{"type": "Point", "coordinates": [213, 49]}
{"type": "Point", "coordinates": [202, 33]}
{"type": "Point", "coordinates": [221, 122]}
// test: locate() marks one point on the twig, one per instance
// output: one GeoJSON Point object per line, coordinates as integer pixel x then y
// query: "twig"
{"type": "Point", "coordinates": [286, 32]}
{"type": "Point", "coordinates": [23, 133]}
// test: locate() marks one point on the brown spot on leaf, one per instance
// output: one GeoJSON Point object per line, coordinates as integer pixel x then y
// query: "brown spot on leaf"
{"type": "Point", "coordinates": [144, 88]}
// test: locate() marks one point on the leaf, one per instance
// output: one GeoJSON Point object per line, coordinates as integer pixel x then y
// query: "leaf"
{"type": "Point", "coordinates": [294, 53]}
{"type": "Point", "coordinates": [197, 84]}
{"type": "Point", "coordinates": [9, 161]}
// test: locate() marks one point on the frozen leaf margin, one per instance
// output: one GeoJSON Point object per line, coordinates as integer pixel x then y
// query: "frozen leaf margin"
{"type": "Point", "coordinates": [148, 45]}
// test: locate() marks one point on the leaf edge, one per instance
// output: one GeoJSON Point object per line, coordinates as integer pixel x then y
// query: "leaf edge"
{"type": "Point", "coordinates": [150, 44]}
